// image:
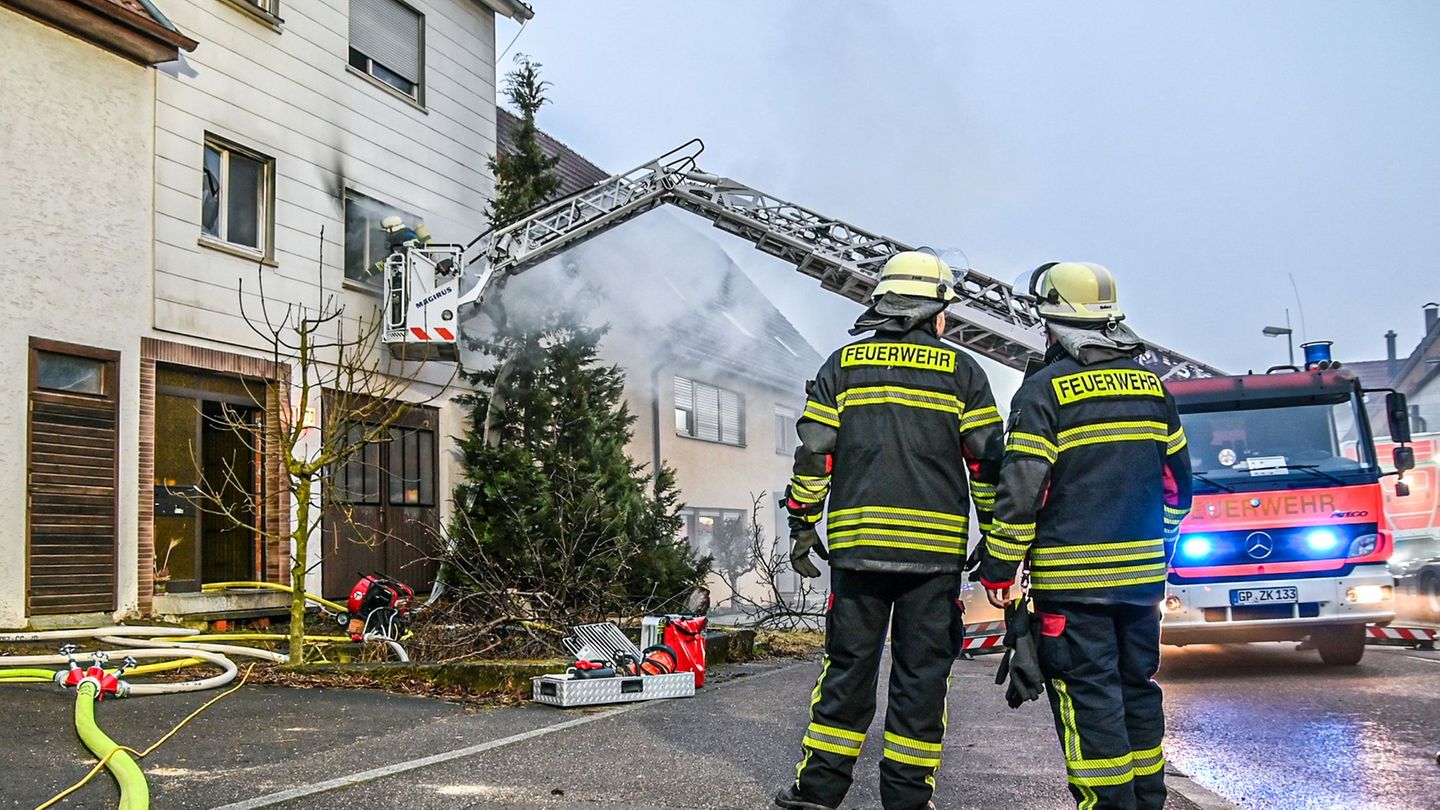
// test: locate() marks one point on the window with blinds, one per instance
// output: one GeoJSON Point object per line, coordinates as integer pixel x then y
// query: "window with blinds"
{"type": "Point", "coordinates": [387, 43]}
{"type": "Point", "coordinates": [709, 413]}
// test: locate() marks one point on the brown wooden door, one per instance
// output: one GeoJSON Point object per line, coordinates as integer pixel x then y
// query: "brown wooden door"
{"type": "Point", "coordinates": [384, 513]}
{"type": "Point", "coordinates": [72, 479]}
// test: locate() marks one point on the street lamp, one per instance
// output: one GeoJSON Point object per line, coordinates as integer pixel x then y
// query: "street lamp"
{"type": "Point", "coordinates": [1277, 331]}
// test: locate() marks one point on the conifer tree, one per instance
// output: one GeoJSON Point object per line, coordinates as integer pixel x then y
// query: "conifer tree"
{"type": "Point", "coordinates": [550, 507]}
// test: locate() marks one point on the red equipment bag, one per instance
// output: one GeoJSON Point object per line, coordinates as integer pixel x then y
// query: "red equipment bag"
{"type": "Point", "coordinates": [686, 636]}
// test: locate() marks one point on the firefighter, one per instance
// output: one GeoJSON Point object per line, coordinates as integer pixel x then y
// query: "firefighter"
{"type": "Point", "coordinates": [1095, 482]}
{"type": "Point", "coordinates": [892, 423]}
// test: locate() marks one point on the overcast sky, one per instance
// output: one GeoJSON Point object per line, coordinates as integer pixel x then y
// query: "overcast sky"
{"type": "Point", "coordinates": [1202, 151]}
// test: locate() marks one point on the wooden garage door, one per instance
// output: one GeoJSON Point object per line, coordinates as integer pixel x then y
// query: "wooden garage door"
{"type": "Point", "coordinates": [71, 479]}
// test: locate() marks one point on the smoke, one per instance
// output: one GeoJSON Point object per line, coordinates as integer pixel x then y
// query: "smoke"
{"type": "Point", "coordinates": [660, 286]}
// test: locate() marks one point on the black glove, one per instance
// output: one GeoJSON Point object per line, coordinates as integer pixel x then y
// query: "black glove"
{"type": "Point", "coordinates": [973, 561]}
{"type": "Point", "coordinates": [1022, 656]}
{"type": "Point", "coordinates": [803, 540]}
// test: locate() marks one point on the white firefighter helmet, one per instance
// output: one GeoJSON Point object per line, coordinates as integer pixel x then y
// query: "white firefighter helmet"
{"type": "Point", "coordinates": [391, 224]}
{"type": "Point", "coordinates": [1071, 291]}
{"type": "Point", "coordinates": [918, 273]}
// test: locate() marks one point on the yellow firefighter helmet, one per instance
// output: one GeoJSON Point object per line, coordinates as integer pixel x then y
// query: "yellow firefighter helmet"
{"type": "Point", "coordinates": [917, 273]}
{"type": "Point", "coordinates": [1071, 291]}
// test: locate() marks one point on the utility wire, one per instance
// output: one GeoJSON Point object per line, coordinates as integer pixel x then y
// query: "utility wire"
{"type": "Point", "coordinates": [512, 41]}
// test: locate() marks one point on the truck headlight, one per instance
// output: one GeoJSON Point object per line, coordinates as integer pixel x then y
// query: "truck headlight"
{"type": "Point", "coordinates": [1364, 544]}
{"type": "Point", "coordinates": [1366, 594]}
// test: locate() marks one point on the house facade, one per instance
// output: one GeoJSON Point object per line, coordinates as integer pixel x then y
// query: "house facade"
{"type": "Point", "coordinates": [261, 159]}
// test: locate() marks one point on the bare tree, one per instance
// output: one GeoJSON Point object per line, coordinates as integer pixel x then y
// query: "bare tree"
{"type": "Point", "coordinates": [333, 391]}
{"type": "Point", "coordinates": [775, 607]}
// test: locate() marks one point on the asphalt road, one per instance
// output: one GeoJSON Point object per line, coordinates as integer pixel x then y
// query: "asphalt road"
{"type": "Point", "coordinates": [1262, 725]}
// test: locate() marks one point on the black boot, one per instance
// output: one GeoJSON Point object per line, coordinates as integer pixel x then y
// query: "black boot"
{"type": "Point", "coordinates": [787, 797]}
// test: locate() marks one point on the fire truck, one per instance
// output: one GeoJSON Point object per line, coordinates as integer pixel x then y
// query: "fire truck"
{"type": "Point", "coordinates": [1289, 536]}
{"type": "Point", "coordinates": [1415, 519]}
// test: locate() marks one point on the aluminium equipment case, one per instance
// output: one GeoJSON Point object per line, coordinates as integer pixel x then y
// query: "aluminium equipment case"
{"type": "Point", "coordinates": [565, 691]}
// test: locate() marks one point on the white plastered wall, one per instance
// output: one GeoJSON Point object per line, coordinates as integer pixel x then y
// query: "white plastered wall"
{"type": "Point", "coordinates": [76, 158]}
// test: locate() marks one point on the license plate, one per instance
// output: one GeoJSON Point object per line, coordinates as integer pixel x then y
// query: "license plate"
{"type": "Point", "coordinates": [1264, 596]}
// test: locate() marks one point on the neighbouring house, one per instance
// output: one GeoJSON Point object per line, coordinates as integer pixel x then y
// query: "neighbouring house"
{"type": "Point", "coordinates": [1416, 375]}
{"type": "Point", "coordinates": [142, 217]}
{"type": "Point", "coordinates": [715, 374]}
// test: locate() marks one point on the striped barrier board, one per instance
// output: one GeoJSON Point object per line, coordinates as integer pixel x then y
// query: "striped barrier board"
{"type": "Point", "coordinates": [1407, 636]}
{"type": "Point", "coordinates": [983, 637]}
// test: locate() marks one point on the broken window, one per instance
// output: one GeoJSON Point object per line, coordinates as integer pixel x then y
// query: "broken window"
{"type": "Point", "coordinates": [708, 412]}
{"type": "Point", "coordinates": [237, 194]}
{"type": "Point", "coordinates": [387, 43]}
{"type": "Point", "coordinates": [364, 241]}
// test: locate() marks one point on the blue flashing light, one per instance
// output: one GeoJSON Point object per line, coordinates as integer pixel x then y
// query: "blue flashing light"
{"type": "Point", "coordinates": [1195, 548]}
{"type": "Point", "coordinates": [1322, 541]}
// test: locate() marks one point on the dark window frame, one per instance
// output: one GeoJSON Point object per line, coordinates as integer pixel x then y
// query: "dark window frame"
{"type": "Point", "coordinates": [355, 201]}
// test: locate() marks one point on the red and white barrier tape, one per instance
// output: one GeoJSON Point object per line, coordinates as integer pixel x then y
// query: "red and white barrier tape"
{"type": "Point", "coordinates": [1403, 633]}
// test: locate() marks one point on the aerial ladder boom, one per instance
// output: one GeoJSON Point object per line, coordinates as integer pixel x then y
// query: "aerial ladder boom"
{"type": "Point", "coordinates": [423, 284]}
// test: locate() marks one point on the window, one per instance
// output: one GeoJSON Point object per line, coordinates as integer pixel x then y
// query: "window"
{"type": "Point", "coordinates": [387, 43]}
{"type": "Point", "coordinates": [364, 241]}
{"type": "Point", "coordinates": [706, 412]}
{"type": "Point", "coordinates": [785, 436]}
{"type": "Point", "coordinates": [701, 527]}
{"type": "Point", "coordinates": [237, 197]}
{"type": "Point", "coordinates": [357, 481]}
{"type": "Point", "coordinates": [69, 374]}
{"type": "Point", "coordinates": [412, 467]}
{"type": "Point", "coordinates": [267, 11]}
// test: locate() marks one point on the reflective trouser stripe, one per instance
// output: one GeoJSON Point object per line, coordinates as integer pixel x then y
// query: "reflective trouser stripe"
{"type": "Point", "coordinates": [814, 699]}
{"type": "Point", "coordinates": [1070, 741]}
{"type": "Point", "coordinates": [911, 751]}
{"type": "Point", "coordinates": [1149, 761]}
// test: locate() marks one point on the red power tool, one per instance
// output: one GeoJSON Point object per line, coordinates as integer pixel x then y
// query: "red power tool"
{"type": "Point", "coordinates": [379, 605]}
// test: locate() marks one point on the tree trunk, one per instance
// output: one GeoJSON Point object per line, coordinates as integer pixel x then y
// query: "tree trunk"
{"type": "Point", "coordinates": [301, 540]}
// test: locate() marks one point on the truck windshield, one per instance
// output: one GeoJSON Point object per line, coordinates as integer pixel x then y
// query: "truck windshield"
{"type": "Point", "coordinates": [1270, 445]}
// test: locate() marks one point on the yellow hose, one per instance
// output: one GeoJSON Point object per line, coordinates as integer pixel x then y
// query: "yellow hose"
{"type": "Point", "coordinates": [273, 586]}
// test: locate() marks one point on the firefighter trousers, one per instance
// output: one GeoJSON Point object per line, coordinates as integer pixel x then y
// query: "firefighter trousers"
{"type": "Point", "coordinates": [923, 615]}
{"type": "Point", "coordinates": [1100, 662]}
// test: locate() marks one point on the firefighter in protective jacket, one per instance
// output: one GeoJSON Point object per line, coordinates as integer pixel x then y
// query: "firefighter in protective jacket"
{"type": "Point", "coordinates": [1095, 481]}
{"type": "Point", "coordinates": [892, 424]}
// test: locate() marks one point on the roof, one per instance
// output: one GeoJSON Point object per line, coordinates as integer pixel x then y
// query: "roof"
{"type": "Point", "coordinates": [759, 343]}
{"type": "Point", "coordinates": [575, 171]}
{"type": "Point", "coordinates": [1372, 373]}
{"type": "Point", "coordinates": [134, 29]}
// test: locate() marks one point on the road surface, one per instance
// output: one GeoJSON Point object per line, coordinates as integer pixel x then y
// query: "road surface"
{"type": "Point", "coordinates": [1262, 725]}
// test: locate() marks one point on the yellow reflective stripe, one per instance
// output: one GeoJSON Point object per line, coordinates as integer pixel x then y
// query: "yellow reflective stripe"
{"type": "Point", "coordinates": [824, 414]}
{"type": "Point", "coordinates": [897, 395]}
{"type": "Point", "coordinates": [1003, 549]}
{"type": "Point", "coordinates": [1099, 554]}
{"type": "Point", "coordinates": [1108, 432]}
{"type": "Point", "coordinates": [1032, 443]}
{"type": "Point", "coordinates": [978, 487]}
{"type": "Point", "coordinates": [814, 699]}
{"type": "Point", "coordinates": [832, 747]}
{"type": "Point", "coordinates": [1042, 579]}
{"type": "Point", "coordinates": [980, 417]}
{"type": "Point", "coordinates": [911, 742]}
{"type": "Point", "coordinates": [835, 731]}
{"type": "Point", "coordinates": [881, 512]}
{"type": "Point", "coordinates": [1176, 511]}
{"type": "Point", "coordinates": [911, 759]}
{"type": "Point", "coordinates": [1175, 442]}
{"type": "Point", "coordinates": [1149, 761]}
{"type": "Point", "coordinates": [909, 546]}
{"type": "Point", "coordinates": [1071, 736]}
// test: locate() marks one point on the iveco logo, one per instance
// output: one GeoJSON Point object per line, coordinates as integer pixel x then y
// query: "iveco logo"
{"type": "Point", "coordinates": [1259, 545]}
